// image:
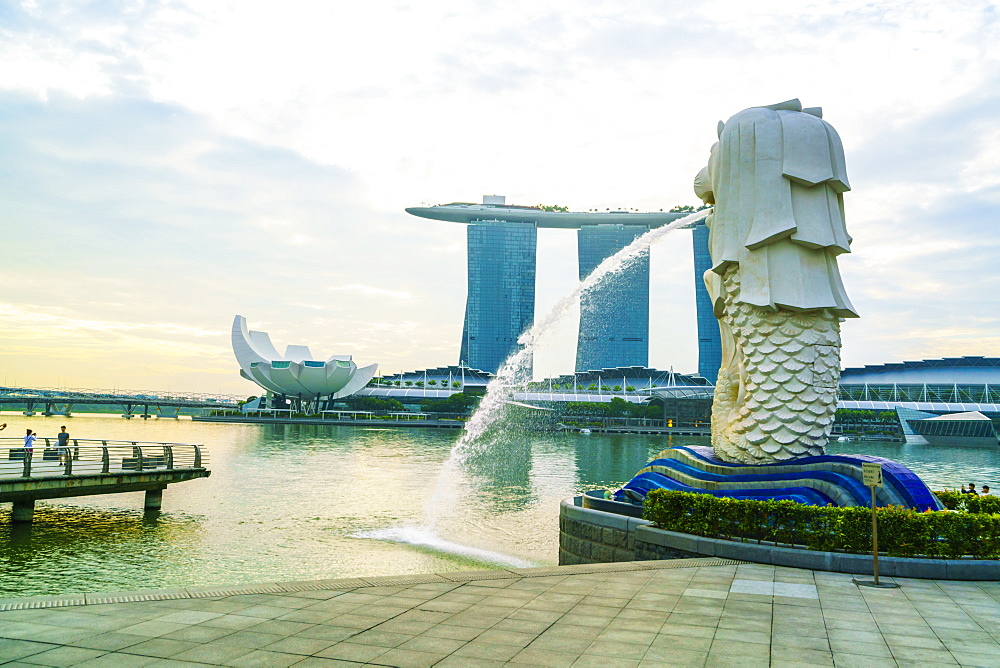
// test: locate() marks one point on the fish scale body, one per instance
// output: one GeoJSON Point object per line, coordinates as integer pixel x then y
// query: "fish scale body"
{"type": "Point", "coordinates": [776, 394]}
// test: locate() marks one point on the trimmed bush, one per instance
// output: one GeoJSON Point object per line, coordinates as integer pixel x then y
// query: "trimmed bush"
{"type": "Point", "coordinates": [902, 532]}
{"type": "Point", "coordinates": [970, 503]}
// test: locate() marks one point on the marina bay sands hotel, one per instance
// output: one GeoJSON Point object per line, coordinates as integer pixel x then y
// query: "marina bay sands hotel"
{"type": "Point", "coordinates": [614, 316]}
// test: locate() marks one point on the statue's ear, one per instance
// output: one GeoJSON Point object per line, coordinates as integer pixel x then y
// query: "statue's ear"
{"type": "Point", "coordinates": [720, 128]}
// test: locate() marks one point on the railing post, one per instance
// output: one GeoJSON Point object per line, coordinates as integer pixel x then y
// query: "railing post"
{"type": "Point", "coordinates": [105, 459]}
{"type": "Point", "coordinates": [170, 456]}
{"type": "Point", "coordinates": [27, 462]}
{"type": "Point", "coordinates": [197, 457]}
{"type": "Point", "coordinates": [137, 452]}
{"type": "Point", "coordinates": [68, 470]}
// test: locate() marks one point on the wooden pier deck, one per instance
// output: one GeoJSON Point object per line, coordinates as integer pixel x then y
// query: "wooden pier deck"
{"type": "Point", "coordinates": [89, 467]}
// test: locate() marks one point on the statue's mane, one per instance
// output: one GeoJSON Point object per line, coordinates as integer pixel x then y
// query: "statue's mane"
{"type": "Point", "coordinates": [761, 152]}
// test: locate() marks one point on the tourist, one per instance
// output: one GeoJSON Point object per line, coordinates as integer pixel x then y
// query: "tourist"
{"type": "Point", "coordinates": [63, 438]}
{"type": "Point", "coordinates": [964, 490]}
{"type": "Point", "coordinates": [29, 441]}
{"type": "Point", "coordinates": [986, 490]}
{"type": "Point", "coordinates": [972, 489]}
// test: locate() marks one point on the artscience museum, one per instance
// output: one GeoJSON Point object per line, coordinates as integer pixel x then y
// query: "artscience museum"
{"type": "Point", "coordinates": [295, 376]}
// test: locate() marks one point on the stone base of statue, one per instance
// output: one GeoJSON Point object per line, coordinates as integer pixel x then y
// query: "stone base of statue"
{"type": "Point", "coordinates": [821, 480]}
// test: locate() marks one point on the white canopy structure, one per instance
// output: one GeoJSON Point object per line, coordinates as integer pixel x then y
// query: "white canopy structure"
{"type": "Point", "coordinates": [296, 373]}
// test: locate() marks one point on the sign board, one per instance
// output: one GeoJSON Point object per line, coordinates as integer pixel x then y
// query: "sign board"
{"type": "Point", "coordinates": [872, 473]}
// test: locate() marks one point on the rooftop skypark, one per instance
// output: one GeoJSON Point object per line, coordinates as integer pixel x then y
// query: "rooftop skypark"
{"type": "Point", "coordinates": [502, 240]}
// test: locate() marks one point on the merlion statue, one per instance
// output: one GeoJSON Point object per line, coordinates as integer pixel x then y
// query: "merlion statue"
{"type": "Point", "coordinates": [776, 177]}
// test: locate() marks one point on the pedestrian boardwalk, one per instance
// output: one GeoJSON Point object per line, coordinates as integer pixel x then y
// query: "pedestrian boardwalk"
{"type": "Point", "coordinates": [695, 612]}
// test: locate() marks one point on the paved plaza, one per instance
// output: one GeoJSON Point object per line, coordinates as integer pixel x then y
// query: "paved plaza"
{"type": "Point", "coordinates": [694, 612]}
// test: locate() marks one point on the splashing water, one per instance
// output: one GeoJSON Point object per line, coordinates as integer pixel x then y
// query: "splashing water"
{"type": "Point", "coordinates": [484, 427]}
{"type": "Point", "coordinates": [423, 537]}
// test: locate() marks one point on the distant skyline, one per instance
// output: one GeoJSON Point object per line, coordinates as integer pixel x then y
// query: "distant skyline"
{"type": "Point", "coordinates": [165, 166]}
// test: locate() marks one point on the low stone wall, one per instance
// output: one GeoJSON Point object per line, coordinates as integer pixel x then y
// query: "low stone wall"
{"type": "Point", "coordinates": [589, 536]}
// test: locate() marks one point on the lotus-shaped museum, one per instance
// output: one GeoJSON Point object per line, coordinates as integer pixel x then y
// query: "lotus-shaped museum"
{"type": "Point", "coordinates": [295, 374]}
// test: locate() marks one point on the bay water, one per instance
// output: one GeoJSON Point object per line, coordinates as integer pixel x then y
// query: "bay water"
{"type": "Point", "coordinates": [292, 502]}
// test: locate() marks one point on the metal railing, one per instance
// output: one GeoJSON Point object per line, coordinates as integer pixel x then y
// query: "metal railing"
{"type": "Point", "coordinates": [84, 456]}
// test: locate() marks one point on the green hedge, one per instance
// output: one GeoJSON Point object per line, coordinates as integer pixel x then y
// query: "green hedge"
{"type": "Point", "coordinates": [902, 532]}
{"type": "Point", "coordinates": [970, 503]}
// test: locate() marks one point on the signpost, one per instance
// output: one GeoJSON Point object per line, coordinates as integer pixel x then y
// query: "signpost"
{"type": "Point", "coordinates": [871, 472]}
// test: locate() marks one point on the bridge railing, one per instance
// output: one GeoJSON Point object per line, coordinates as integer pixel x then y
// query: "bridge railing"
{"type": "Point", "coordinates": [93, 456]}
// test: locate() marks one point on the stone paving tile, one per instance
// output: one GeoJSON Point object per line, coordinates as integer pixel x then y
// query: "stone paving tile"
{"type": "Point", "coordinates": [299, 645]}
{"type": "Point", "coordinates": [233, 622]}
{"type": "Point", "coordinates": [544, 657]}
{"type": "Point", "coordinates": [62, 656]}
{"type": "Point", "coordinates": [189, 616]}
{"type": "Point", "coordinates": [264, 659]}
{"type": "Point", "coordinates": [407, 658]}
{"type": "Point", "coordinates": [152, 629]}
{"type": "Point", "coordinates": [673, 628]}
{"type": "Point", "coordinates": [248, 639]}
{"type": "Point", "coordinates": [716, 660]}
{"type": "Point", "coordinates": [380, 638]}
{"type": "Point", "coordinates": [738, 648]}
{"type": "Point", "coordinates": [598, 661]}
{"type": "Point", "coordinates": [915, 655]}
{"type": "Point", "coordinates": [63, 636]}
{"type": "Point", "coordinates": [485, 650]}
{"type": "Point", "coordinates": [455, 661]}
{"type": "Point", "coordinates": [848, 660]}
{"type": "Point", "coordinates": [613, 649]}
{"type": "Point", "coordinates": [116, 660]}
{"type": "Point", "coordinates": [691, 616]}
{"type": "Point", "coordinates": [453, 632]}
{"type": "Point", "coordinates": [319, 662]}
{"type": "Point", "coordinates": [433, 645]}
{"type": "Point", "coordinates": [353, 652]}
{"type": "Point", "coordinates": [976, 660]}
{"type": "Point", "coordinates": [681, 658]}
{"type": "Point", "coordinates": [561, 643]}
{"type": "Point", "coordinates": [112, 641]}
{"type": "Point", "coordinates": [693, 643]}
{"type": "Point", "coordinates": [506, 638]}
{"type": "Point", "coordinates": [159, 647]}
{"type": "Point", "coordinates": [212, 653]}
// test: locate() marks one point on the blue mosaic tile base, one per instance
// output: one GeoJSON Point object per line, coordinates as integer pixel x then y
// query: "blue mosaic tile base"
{"type": "Point", "coordinates": [824, 480]}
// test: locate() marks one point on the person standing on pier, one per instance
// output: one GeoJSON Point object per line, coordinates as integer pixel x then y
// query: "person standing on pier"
{"type": "Point", "coordinates": [63, 443]}
{"type": "Point", "coordinates": [29, 441]}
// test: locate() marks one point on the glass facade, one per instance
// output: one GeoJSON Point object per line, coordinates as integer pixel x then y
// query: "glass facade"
{"type": "Point", "coordinates": [614, 316]}
{"type": "Point", "coordinates": [501, 301]}
{"type": "Point", "coordinates": [920, 393]}
{"type": "Point", "coordinates": [709, 338]}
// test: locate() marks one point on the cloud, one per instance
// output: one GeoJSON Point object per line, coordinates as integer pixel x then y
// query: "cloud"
{"type": "Point", "coordinates": [372, 291]}
{"type": "Point", "coordinates": [180, 162]}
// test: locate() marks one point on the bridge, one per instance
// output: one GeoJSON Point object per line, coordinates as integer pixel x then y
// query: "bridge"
{"type": "Point", "coordinates": [60, 401]}
{"type": "Point", "coordinates": [89, 467]}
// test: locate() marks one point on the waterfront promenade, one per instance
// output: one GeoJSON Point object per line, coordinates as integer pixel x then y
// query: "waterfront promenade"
{"type": "Point", "coordinates": [695, 612]}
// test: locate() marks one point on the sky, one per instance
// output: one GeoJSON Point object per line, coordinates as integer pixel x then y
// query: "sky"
{"type": "Point", "coordinates": [166, 165]}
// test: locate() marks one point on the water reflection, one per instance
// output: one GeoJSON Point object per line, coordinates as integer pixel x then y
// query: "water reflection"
{"type": "Point", "coordinates": [606, 460]}
{"type": "Point", "coordinates": [71, 549]}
